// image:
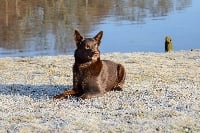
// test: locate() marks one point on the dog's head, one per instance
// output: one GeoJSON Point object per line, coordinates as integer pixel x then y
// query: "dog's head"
{"type": "Point", "coordinates": [87, 49]}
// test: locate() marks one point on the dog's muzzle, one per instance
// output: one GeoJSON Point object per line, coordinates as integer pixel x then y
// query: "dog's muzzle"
{"type": "Point", "coordinates": [94, 55]}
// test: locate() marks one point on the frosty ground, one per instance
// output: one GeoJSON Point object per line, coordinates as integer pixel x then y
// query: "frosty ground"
{"type": "Point", "coordinates": [161, 94]}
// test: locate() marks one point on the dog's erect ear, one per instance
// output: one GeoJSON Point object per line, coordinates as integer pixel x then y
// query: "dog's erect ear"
{"type": "Point", "coordinates": [77, 37]}
{"type": "Point", "coordinates": [98, 36]}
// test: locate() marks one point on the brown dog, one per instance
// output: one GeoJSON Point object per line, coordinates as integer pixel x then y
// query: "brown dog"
{"type": "Point", "coordinates": [93, 77]}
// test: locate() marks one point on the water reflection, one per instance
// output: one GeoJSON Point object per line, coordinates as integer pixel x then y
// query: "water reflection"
{"type": "Point", "coordinates": [137, 10]}
{"type": "Point", "coordinates": [45, 27]}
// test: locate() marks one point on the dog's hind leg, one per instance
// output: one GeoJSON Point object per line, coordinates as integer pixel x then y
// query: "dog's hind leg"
{"type": "Point", "coordinates": [120, 77]}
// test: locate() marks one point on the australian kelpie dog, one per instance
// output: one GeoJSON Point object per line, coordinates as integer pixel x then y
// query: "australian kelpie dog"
{"type": "Point", "coordinates": [93, 77]}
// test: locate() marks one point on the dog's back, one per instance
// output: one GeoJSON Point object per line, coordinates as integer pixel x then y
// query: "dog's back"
{"type": "Point", "coordinates": [115, 74]}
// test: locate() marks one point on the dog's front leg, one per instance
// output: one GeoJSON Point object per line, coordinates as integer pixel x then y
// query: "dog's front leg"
{"type": "Point", "coordinates": [65, 94]}
{"type": "Point", "coordinates": [89, 96]}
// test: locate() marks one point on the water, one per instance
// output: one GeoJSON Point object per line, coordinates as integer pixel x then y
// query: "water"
{"type": "Point", "coordinates": [45, 27]}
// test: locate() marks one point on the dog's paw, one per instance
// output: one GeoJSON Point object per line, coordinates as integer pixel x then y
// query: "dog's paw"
{"type": "Point", "coordinates": [60, 97]}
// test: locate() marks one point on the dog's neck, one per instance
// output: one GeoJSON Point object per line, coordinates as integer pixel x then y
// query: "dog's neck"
{"type": "Point", "coordinates": [84, 65]}
{"type": "Point", "coordinates": [91, 67]}
{"type": "Point", "coordinates": [87, 64]}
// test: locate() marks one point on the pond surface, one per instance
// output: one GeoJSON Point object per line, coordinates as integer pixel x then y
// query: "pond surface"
{"type": "Point", "coordinates": [46, 27]}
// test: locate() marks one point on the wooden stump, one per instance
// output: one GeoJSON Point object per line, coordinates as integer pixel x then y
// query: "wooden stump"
{"type": "Point", "coordinates": [168, 44]}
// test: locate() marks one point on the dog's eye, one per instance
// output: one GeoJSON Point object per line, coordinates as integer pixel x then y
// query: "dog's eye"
{"type": "Point", "coordinates": [87, 47]}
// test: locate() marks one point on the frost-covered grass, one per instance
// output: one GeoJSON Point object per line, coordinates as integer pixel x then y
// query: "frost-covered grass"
{"type": "Point", "coordinates": [161, 94]}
